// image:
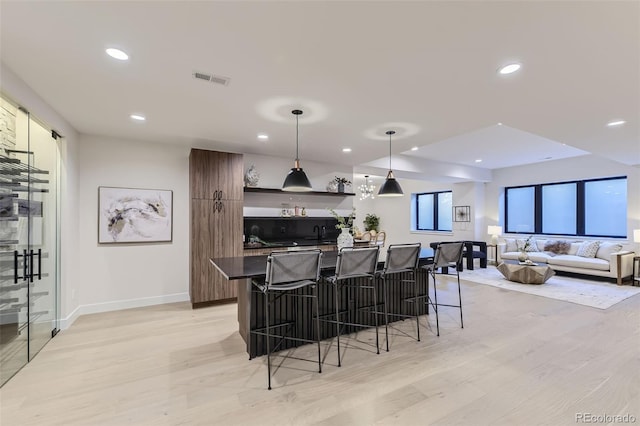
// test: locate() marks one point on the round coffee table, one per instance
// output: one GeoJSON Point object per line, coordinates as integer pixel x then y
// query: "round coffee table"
{"type": "Point", "coordinates": [525, 274]}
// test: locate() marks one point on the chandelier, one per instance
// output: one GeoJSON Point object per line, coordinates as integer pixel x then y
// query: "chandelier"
{"type": "Point", "coordinates": [367, 189]}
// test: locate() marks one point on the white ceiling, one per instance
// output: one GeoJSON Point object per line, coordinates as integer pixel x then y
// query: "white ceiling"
{"type": "Point", "coordinates": [357, 69]}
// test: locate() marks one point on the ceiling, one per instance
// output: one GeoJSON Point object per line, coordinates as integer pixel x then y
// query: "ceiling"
{"type": "Point", "coordinates": [357, 69]}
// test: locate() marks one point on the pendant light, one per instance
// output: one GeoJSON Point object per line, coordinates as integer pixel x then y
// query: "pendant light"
{"type": "Point", "coordinates": [296, 179]}
{"type": "Point", "coordinates": [390, 187]}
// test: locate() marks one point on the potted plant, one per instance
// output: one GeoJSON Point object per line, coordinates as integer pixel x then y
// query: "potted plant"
{"type": "Point", "coordinates": [371, 223]}
{"type": "Point", "coordinates": [341, 183]}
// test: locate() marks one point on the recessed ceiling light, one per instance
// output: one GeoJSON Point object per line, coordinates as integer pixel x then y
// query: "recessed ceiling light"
{"type": "Point", "coordinates": [616, 123]}
{"type": "Point", "coordinates": [479, 160]}
{"type": "Point", "coordinates": [117, 54]}
{"type": "Point", "coordinates": [415, 148]}
{"type": "Point", "coordinates": [138, 117]}
{"type": "Point", "coordinates": [346, 149]}
{"type": "Point", "coordinates": [499, 124]}
{"type": "Point", "coordinates": [508, 69]}
{"type": "Point", "coordinates": [263, 137]}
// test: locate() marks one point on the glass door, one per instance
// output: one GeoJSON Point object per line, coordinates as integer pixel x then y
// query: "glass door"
{"type": "Point", "coordinates": [40, 212]}
{"type": "Point", "coordinates": [28, 238]}
{"type": "Point", "coordinates": [14, 288]}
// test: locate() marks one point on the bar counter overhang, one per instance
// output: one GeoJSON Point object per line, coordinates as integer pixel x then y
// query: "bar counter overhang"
{"type": "Point", "coordinates": [295, 314]}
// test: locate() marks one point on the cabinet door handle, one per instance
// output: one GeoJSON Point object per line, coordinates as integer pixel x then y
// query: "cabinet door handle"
{"type": "Point", "coordinates": [39, 264]}
{"type": "Point", "coordinates": [215, 195]}
{"type": "Point", "coordinates": [24, 264]}
{"type": "Point", "coordinates": [221, 206]}
{"type": "Point", "coordinates": [15, 266]}
{"type": "Point", "coordinates": [31, 266]}
{"type": "Point", "coordinates": [220, 196]}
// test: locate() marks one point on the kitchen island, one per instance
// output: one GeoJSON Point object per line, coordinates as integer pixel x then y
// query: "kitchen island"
{"type": "Point", "coordinates": [285, 311]}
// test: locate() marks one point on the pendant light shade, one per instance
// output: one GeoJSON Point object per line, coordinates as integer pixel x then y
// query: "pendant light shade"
{"type": "Point", "coordinates": [296, 179]}
{"type": "Point", "coordinates": [390, 187]}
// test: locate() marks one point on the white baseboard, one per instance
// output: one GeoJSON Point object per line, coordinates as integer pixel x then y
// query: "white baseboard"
{"type": "Point", "coordinates": [117, 305]}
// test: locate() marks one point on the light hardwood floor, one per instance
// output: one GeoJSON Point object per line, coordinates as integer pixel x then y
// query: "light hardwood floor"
{"type": "Point", "coordinates": [520, 360]}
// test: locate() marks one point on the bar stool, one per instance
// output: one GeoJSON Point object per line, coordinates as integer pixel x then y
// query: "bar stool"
{"type": "Point", "coordinates": [401, 258]}
{"type": "Point", "coordinates": [354, 263]}
{"type": "Point", "coordinates": [286, 274]}
{"type": "Point", "coordinates": [447, 255]}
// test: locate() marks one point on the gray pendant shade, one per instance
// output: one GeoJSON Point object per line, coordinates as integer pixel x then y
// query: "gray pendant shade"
{"type": "Point", "coordinates": [390, 187]}
{"type": "Point", "coordinates": [296, 180]}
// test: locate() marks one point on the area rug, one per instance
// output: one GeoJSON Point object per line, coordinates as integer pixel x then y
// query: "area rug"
{"type": "Point", "coordinates": [597, 294]}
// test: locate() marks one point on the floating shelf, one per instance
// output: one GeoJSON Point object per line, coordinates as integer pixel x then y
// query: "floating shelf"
{"type": "Point", "coordinates": [279, 191]}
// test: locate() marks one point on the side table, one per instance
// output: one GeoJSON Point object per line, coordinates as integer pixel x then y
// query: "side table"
{"type": "Point", "coordinates": [495, 253]}
{"type": "Point", "coordinates": [635, 277]}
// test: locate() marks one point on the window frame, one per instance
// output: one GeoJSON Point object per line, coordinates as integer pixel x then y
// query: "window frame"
{"type": "Point", "coordinates": [537, 206]}
{"type": "Point", "coordinates": [435, 211]}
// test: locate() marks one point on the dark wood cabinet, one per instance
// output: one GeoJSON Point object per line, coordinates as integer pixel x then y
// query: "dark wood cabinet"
{"type": "Point", "coordinates": [216, 188]}
{"type": "Point", "coordinates": [215, 175]}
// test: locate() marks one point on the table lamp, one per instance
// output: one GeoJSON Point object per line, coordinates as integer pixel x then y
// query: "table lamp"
{"type": "Point", "coordinates": [494, 231]}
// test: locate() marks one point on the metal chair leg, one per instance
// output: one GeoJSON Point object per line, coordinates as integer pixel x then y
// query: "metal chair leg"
{"type": "Point", "coordinates": [336, 289]}
{"type": "Point", "coordinates": [460, 301]}
{"type": "Point", "coordinates": [266, 309]}
{"type": "Point", "coordinates": [315, 297]}
{"type": "Point", "coordinates": [435, 305]}
{"type": "Point", "coordinates": [386, 311]}
{"type": "Point", "coordinates": [375, 314]}
{"type": "Point", "coordinates": [415, 302]}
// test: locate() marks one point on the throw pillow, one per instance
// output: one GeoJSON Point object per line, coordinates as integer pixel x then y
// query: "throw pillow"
{"type": "Point", "coordinates": [510, 245]}
{"type": "Point", "coordinates": [557, 246]}
{"type": "Point", "coordinates": [606, 249]}
{"type": "Point", "coordinates": [533, 245]}
{"type": "Point", "coordinates": [588, 249]}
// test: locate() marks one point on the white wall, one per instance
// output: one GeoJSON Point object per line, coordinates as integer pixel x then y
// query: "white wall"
{"type": "Point", "coordinates": [584, 167]}
{"type": "Point", "coordinates": [19, 92]}
{"type": "Point", "coordinates": [395, 212]}
{"type": "Point", "coordinates": [117, 276]}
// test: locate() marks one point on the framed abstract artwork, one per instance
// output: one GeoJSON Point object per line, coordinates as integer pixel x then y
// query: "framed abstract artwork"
{"type": "Point", "coordinates": [130, 215]}
{"type": "Point", "coordinates": [461, 213]}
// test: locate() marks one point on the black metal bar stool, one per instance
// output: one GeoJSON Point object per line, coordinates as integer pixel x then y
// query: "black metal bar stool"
{"type": "Point", "coordinates": [288, 274]}
{"type": "Point", "coordinates": [355, 269]}
{"type": "Point", "coordinates": [401, 258]}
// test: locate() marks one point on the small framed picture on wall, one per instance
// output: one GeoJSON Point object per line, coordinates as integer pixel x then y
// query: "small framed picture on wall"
{"type": "Point", "coordinates": [461, 213]}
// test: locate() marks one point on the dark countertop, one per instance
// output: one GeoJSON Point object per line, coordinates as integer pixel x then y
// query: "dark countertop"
{"type": "Point", "coordinates": [234, 268]}
{"type": "Point", "coordinates": [299, 242]}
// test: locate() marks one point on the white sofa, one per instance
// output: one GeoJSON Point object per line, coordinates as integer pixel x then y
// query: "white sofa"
{"type": "Point", "coordinates": [610, 260]}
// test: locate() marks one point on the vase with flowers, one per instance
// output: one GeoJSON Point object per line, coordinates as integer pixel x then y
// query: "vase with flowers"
{"type": "Point", "coordinates": [341, 182]}
{"type": "Point", "coordinates": [345, 239]}
{"type": "Point", "coordinates": [524, 250]}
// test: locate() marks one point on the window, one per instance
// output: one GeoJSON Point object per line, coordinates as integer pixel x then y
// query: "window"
{"type": "Point", "coordinates": [559, 209]}
{"type": "Point", "coordinates": [605, 206]}
{"type": "Point", "coordinates": [594, 207]}
{"type": "Point", "coordinates": [434, 211]}
{"type": "Point", "coordinates": [520, 205]}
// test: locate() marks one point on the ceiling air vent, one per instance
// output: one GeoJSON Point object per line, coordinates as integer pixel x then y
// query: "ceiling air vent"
{"type": "Point", "coordinates": [217, 79]}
